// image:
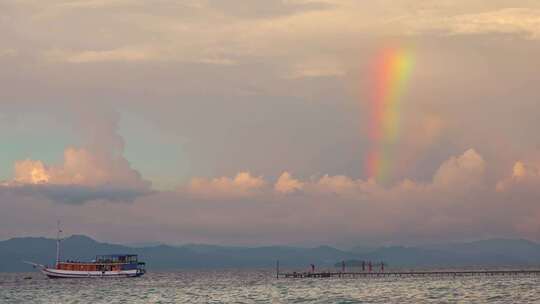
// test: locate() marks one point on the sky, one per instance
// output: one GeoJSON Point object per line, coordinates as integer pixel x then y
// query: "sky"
{"type": "Point", "coordinates": [296, 122]}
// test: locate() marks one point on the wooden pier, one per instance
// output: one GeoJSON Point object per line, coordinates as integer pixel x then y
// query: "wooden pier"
{"type": "Point", "coordinates": [445, 273]}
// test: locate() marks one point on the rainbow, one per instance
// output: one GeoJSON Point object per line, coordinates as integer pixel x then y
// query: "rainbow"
{"type": "Point", "coordinates": [392, 69]}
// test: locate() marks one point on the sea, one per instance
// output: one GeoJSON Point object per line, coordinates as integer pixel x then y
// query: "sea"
{"type": "Point", "coordinates": [261, 286]}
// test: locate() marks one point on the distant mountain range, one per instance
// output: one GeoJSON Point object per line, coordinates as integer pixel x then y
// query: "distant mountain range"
{"type": "Point", "coordinates": [493, 252]}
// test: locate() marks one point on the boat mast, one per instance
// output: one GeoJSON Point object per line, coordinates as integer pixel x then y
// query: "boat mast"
{"type": "Point", "coordinates": [58, 243]}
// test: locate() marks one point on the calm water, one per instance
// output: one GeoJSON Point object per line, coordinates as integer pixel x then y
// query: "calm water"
{"type": "Point", "coordinates": [261, 287]}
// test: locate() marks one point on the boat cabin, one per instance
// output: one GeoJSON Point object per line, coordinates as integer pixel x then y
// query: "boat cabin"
{"type": "Point", "coordinates": [117, 258]}
{"type": "Point", "coordinates": [110, 262]}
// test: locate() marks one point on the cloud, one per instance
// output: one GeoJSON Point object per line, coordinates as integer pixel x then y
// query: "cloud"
{"type": "Point", "coordinates": [31, 172]}
{"type": "Point", "coordinates": [98, 170]}
{"type": "Point", "coordinates": [287, 184]}
{"type": "Point", "coordinates": [75, 194]}
{"type": "Point", "coordinates": [180, 66]}
{"type": "Point", "coordinates": [80, 167]}
{"type": "Point", "coordinates": [524, 175]}
{"type": "Point", "coordinates": [133, 54]}
{"type": "Point", "coordinates": [242, 185]}
{"type": "Point", "coordinates": [214, 33]}
{"type": "Point", "coordinates": [339, 184]}
{"type": "Point", "coordinates": [317, 67]}
{"type": "Point", "coordinates": [460, 174]}
{"type": "Point", "coordinates": [8, 52]}
{"type": "Point", "coordinates": [83, 176]}
{"type": "Point", "coordinates": [247, 209]}
{"type": "Point", "coordinates": [466, 170]}
{"type": "Point", "coordinates": [258, 9]}
{"type": "Point", "coordinates": [121, 54]}
{"type": "Point", "coordinates": [523, 21]}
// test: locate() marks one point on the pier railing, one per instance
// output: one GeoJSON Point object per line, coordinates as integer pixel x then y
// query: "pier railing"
{"type": "Point", "coordinates": [405, 273]}
{"type": "Point", "coordinates": [448, 273]}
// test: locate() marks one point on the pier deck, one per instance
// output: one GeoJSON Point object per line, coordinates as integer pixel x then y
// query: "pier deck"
{"type": "Point", "coordinates": [449, 273]}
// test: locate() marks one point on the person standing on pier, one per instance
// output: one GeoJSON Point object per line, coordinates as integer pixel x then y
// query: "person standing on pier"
{"type": "Point", "coordinates": [312, 268]}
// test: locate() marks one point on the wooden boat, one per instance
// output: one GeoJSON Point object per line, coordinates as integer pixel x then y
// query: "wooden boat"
{"type": "Point", "coordinates": [103, 266]}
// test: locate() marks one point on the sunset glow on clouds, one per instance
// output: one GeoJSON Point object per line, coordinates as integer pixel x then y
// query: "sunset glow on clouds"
{"type": "Point", "coordinates": [457, 199]}
{"type": "Point", "coordinates": [97, 171]}
{"type": "Point", "coordinates": [287, 184]}
{"type": "Point", "coordinates": [82, 177]}
{"type": "Point", "coordinates": [461, 173]}
{"type": "Point", "coordinates": [80, 167]}
{"type": "Point", "coordinates": [256, 121]}
{"type": "Point", "coordinates": [242, 185]}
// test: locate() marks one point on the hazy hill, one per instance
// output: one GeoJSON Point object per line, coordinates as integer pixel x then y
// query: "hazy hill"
{"type": "Point", "coordinates": [492, 252]}
{"type": "Point", "coordinates": [77, 247]}
{"type": "Point", "coordinates": [496, 251]}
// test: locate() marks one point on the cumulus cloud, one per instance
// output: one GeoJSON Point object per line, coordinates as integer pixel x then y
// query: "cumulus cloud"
{"type": "Point", "coordinates": [247, 209]}
{"type": "Point", "coordinates": [466, 170]}
{"type": "Point", "coordinates": [344, 208]}
{"type": "Point", "coordinates": [463, 173]}
{"type": "Point", "coordinates": [287, 184]}
{"type": "Point", "coordinates": [242, 185]}
{"type": "Point", "coordinates": [523, 175]}
{"type": "Point", "coordinates": [98, 170]}
{"type": "Point", "coordinates": [80, 167]}
{"type": "Point", "coordinates": [31, 172]}
{"type": "Point", "coordinates": [338, 184]}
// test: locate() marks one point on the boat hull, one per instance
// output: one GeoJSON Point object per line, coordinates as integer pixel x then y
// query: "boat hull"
{"type": "Point", "coordinates": [59, 273]}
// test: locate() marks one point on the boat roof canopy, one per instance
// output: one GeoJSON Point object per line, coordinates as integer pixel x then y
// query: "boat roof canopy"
{"type": "Point", "coordinates": [115, 255]}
